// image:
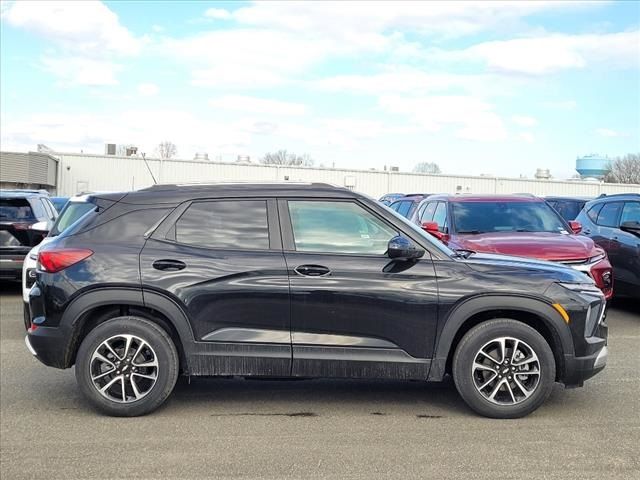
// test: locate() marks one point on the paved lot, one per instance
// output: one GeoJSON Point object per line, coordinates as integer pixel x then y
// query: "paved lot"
{"type": "Point", "coordinates": [316, 429]}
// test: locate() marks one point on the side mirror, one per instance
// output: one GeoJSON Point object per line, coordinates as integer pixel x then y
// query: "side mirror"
{"type": "Point", "coordinates": [631, 226]}
{"type": "Point", "coordinates": [401, 248]}
{"type": "Point", "coordinates": [40, 227]}
{"type": "Point", "coordinates": [434, 229]}
{"type": "Point", "coordinates": [576, 227]}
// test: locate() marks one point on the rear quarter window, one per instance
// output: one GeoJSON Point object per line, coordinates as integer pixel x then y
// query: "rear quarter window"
{"type": "Point", "coordinates": [228, 224]}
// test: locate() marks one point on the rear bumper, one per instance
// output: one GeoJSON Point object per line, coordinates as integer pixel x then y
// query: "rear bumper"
{"type": "Point", "coordinates": [48, 344]}
{"type": "Point", "coordinates": [11, 266]}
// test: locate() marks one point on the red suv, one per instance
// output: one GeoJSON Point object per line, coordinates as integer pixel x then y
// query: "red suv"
{"type": "Point", "coordinates": [513, 225]}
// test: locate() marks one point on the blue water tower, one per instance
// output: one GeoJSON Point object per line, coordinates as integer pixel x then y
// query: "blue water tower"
{"type": "Point", "coordinates": [592, 166]}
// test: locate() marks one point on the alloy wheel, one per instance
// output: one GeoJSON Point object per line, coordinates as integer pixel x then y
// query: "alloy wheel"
{"type": "Point", "coordinates": [506, 371]}
{"type": "Point", "coordinates": [124, 368]}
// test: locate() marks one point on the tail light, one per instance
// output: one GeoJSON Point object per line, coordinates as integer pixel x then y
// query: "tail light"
{"type": "Point", "coordinates": [21, 226]}
{"type": "Point", "coordinates": [55, 260]}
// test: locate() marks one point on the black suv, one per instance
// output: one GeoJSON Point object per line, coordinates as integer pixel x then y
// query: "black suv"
{"type": "Point", "coordinates": [25, 218]}
{"type": "Point", "coordinates": [300, 280]}
{"type": "Point", "coordinates": [613, 222]}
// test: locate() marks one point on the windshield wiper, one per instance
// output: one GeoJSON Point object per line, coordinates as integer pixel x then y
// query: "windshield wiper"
{"type": "Point", "coordinates": [472, 232]}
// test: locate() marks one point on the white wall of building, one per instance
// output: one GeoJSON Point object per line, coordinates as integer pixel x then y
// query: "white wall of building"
{"type": "Point", "coordinates": [83, 172]}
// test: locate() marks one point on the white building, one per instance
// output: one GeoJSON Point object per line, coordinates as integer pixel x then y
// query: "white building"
{"type": "Point", "coordinates": [78, 172]}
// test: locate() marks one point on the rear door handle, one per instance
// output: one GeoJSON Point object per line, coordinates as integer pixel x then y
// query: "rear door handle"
{"type": "Point", "coordinates": [169, 265]}
{"type": "Point", "coordinates": [312, 270]}
{"type": "Point", "coordinates": [587, 231]}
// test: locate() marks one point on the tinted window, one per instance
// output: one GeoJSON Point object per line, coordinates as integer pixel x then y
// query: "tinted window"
{"type": "Point", "coordinates": [440, 216]}
{"type": "Point", "coordinates": [72, 212]}
{"type": "Point", "coordinates": [594, 211]}
{"type": "Point", "coordinates": [630, 212]}
{"type": "Point", "coordinates": [338, 227]}
{"type": "Point", "coordinates": [394, 206]}
{"type": "Point", "coordinates": [608, 216]}
{"type": "Point", "coordinates": [225, 224]}
{"type": "Point", "coordinates": [569, 209]}
{"type": "Point", "coordinates": [404, 208]}
{"type": "Point", "coordinates": [15, 209]}
{"type": "Point", "coordinates": [480, 217]}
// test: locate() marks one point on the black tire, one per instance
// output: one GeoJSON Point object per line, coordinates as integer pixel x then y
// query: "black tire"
{"type": "Point", "coordinates": [167, 365]}
{"type": "Point", "coordinates": [463, 365]}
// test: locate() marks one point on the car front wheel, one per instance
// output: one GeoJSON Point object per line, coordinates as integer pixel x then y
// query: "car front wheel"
{"type": "Point", "coordinates": [127, 366]}
{"type": "Point", "coordinates": [503, 368]}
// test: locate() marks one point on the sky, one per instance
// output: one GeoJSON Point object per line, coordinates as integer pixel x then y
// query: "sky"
{"type": "Point", "coordinates": [498, 88]}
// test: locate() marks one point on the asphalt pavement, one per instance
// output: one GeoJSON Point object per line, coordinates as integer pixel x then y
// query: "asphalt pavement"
{"type": "Point", "coordinates": [336, 429]}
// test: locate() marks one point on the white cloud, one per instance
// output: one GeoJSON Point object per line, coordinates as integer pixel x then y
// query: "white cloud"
{"type": "Point", "coordinates": [474, 119]}
{"type": "Point", "coordinates": [524, 121]}
{"type": "Point", "coordinates": [157, 28]}
{"type": "Point", "coordinates": [526, 137]}
{"type": "Point", "coordinates": [87, 27]}
{"type": "Point", "coordinates": [218, 13]}
{"type": "Point", "coordinates": [426, 18]}
{"type": "Point", "coordinates": [607, 132]}
{"type": "Point", "coordinates": [247, 58]}
{"type": "Point", "coordinates": [85, 39]}
{"type": "Point", "coordinates": [248, 104]}
{"type": "Point", "coordinates": [553, 53]}
{"type": "Point", "coordinates": [72, 71]}
{"type": "Point", "coordinates": [148, 89]}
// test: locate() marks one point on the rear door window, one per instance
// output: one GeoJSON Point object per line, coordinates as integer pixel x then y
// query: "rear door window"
{"type": "Point", "coordinates": [404, 207]}
{"type": "Point", "coordinates": [608, 216]}
{"type": "Point", "coordinates": [227, 224]}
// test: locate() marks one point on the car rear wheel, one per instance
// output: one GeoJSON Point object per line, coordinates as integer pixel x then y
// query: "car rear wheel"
{"type": "Point", "coordinates": [503, 368]}
{"type": "Point", "coordinates": [127, 366]}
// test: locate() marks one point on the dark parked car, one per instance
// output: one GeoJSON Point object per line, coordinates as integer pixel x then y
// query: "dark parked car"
{"type": "Point", "coordinates": [513, 225]}
{"type": "Point", "coordinates": [389, 198]}
{"type": "Point", "coordinates": [568, 207]}
{"type": "Point", "coordinates": [25, 218]}
{"type": "Point", "coordinates": [300, 280]}
{"type": "Point", "coordinates": [406, 205]}
{"type": "Point", "coordinates": [613, 222]}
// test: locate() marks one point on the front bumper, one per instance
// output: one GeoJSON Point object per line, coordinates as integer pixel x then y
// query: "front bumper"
{"type": "Point", "coordinates": [579, 369]}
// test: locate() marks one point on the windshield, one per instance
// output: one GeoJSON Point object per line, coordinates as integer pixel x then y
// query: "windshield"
{"type": "Point", "coordinates": [483, 217]}
{"type": "Point", "coordinates": [70, 213]}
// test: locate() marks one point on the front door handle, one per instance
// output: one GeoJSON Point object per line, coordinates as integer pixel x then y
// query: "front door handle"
{"type": "Point", "coordinates": [312, 270]}
{"type": "Point", "coordinates": [169, 265]}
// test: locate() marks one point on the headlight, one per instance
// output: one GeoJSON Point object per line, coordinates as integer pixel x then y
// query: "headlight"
{"type": "Point", "coordinates": [581, 287]}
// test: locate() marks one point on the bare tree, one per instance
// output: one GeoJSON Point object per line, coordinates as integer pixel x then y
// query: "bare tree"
{"type": "Point", "coordinates": [624, 169]}
{"type": "Point", "coordinates": [166, 149]}
{"type": "Point", "coordinates": [426, 167]}
{"type": "Point", "coordinates": [282, 157]}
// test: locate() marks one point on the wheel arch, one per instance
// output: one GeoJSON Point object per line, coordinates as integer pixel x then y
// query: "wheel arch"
{"type": "Point", "coordinates": [534, 312]}
{"type": "Point", "coordinates": [97, 306]}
